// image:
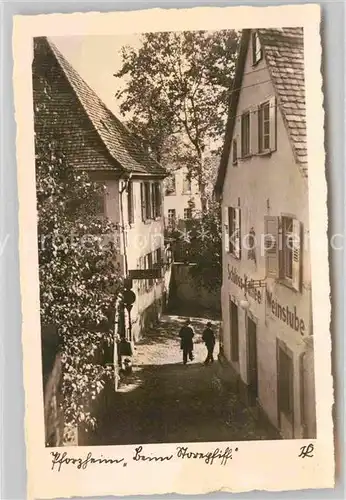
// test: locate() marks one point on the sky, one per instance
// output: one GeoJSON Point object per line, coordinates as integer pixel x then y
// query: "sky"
{"type": "Point", "coordinates": [97, 58]}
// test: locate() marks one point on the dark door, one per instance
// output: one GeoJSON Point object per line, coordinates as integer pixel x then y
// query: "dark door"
{"type": "Point", "coordinates": [252, 360]}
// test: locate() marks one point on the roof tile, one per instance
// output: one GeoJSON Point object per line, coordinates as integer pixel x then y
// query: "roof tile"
{"type": "Point", "coordinates": [284, 51]}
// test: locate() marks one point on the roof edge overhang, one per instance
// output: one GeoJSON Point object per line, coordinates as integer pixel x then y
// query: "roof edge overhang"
{"type": "Point", "coordinates": [232, 108]}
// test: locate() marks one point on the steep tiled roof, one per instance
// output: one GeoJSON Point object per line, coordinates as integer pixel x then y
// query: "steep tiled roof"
{"type": "Point", "coordinates": [120, 143]}
{"type": "Point", "coordinates": [284, 52]}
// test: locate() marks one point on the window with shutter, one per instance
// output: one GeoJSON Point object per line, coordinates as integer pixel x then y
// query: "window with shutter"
{"type": "Point", "coordinates": [271, 246]}
{"type": "Point", "coordinates": [148, 200]}
{"type": "Point", "coordinates": [272, 124]}
{"type": "Point", "coordinates": [130, 207]}
{"type": "Point", "coordinates": [234, 152]}
{"type": "Point", "coordinates": [254, 132]}
{"type": "Point", "coordinates": [237, 233]}
{"type": "Point", "coordinates": [158, 199]}
{"type": "Point", "coordinates": [245, 134]}
{"type": "Point", "coordinates": [226, 226]}
{"type": "Point", "coordinates": [297, 255]}
{"type": "Point", "coordinates": [143, 204]}
{"type": "Point", "coordinates": [264, 127]}
{"type": "Point", "coordinates": [234, 225]}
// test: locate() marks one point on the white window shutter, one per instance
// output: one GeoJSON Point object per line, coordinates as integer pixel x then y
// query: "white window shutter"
{"type": "Point", "coordinates": [272, 123]}
{"type": "Point", "coordinates": [271, 246]}
{"type": "Point", "coordinates": [237, 239]}
{"type": "Point", "coordinates": [297, 255]}
{"type": "Point", "coordinates": [226, 231]}
{"type": "Point", "coordinates": [254, 131]}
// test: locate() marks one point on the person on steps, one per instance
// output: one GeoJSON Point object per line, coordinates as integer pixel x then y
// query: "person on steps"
{"type": "Point", "coordinates": [186, 335]}
{"type": "Point", "coordinates": [208, 337]}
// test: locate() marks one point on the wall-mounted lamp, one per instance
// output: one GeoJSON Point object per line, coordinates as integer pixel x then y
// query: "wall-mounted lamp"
{"type": "Point", "coordinates": [244, 304]}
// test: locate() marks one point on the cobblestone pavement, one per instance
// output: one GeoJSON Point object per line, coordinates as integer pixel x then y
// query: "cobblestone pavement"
{"type": "Point", "coordinates": [166, 401]}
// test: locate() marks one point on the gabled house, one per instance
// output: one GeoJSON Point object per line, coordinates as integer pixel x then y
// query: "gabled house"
{"type": "Point", "coordinates": [96, 141]}
{"type": "Point", "coordinates": [182, 199]}
{"type": "Point", "coordinates": [262, 185]}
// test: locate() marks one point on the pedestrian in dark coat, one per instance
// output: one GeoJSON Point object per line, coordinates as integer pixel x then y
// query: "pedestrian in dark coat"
{"type": "Point", "coordinates": [208, 337]}
{"type": "Point", "coordinates": [186, 335]}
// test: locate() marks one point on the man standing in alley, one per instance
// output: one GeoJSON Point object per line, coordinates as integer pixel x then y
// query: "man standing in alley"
{"type": "Point", "coordinates": [186, 335]}
{"type": "Point", "coordinates": [208, 337]}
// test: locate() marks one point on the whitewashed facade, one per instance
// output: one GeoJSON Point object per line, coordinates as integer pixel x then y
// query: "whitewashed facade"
{"type": "Point", "coordinates": [262, 184]}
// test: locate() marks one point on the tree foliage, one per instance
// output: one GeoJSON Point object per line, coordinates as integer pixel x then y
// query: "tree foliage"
{"type": "Point", "coordinates": [78, 278]}
{"type": "Point", "coordinates": [201, 242]}
{"type": "Point", "coordinates": [177, 85]}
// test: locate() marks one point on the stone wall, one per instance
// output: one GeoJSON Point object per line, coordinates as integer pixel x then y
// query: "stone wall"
{"type": "Point", "coordinates": [186, 294]}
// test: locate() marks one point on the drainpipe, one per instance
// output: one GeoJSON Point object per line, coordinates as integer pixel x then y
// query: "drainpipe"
{"type": "Point", "coordinates": [126, 177]}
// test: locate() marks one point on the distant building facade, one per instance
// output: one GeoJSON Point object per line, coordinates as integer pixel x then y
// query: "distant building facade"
{"type": "Point", "coordinates": [182, 199]}
{"type": "Point", "coordinates": [262, 184]}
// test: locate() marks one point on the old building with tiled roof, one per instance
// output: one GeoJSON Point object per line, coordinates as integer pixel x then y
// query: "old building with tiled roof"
{"type": "Point", "coordinates": [267, 341]}
{"type": "Point", "coordinates": [96, 141]}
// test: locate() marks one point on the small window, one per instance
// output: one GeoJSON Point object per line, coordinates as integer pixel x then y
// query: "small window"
{"type": "Point", "coordinates": [170, 185]}
{"type": "Point", "coordinates": [234, 152]}
{"type": "Point", "coordinates": [186, 184]}
{"type": "Point", "coordinates": [146, 201]}
{"type": "Point", "coordinates": [171, 217]}
{"type": "Point", "coordinates": [257, 52]}
{"type": "Point", "coordinates": [245, 134]}
{"type": "Point", "coordinates": [187, 213]}
{"type": "Point", "coordinates": [264, 127]}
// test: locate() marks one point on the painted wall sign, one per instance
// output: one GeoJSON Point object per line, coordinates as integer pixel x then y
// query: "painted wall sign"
{"type": "Point", "coordinates": [244, 283]}
{"type": "Point", "coordinates": [285, 314]}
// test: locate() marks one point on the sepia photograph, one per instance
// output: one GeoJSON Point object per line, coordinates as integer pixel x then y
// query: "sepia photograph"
{"type": "Point", "coordinates": [173, 229]}
{"type": "Point", "coordinates": [172, 236]}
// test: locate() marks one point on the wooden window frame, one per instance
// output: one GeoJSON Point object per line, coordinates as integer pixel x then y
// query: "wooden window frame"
{"type": "Point", "coordinates": [262, 136]}
{"type": "Point", "coordinates": [234, 152]}
{"type": "Point", "coordinates": [234, 215]}
{"type": "Point", "coordinates": [257, 51]}
{"type": "Point", "coordinates": [158, 199]}
{"type": "Point", "coordinates": [173, 192]}
{"type": "Point", "coordinates": [187, 210]}
{"type": "Point", "coordinates": [245, 122]}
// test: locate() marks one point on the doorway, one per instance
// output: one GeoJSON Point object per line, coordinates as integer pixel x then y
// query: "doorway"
{"type": "Point", "coordinates": [285, 389]}
{"type": "Point", "coordinates": [252, 361]}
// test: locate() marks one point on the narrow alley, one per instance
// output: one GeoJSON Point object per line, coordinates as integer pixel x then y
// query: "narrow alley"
{"type": "Point", "coordinates": [165, 401]}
